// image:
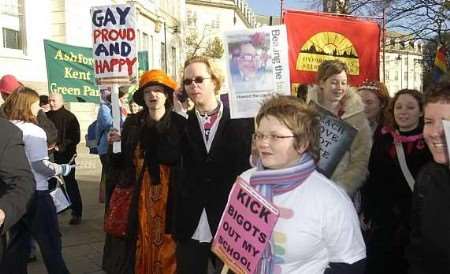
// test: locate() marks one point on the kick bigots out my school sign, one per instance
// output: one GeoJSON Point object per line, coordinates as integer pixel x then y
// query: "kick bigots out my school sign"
{"type": "Point", "coordinates": [114, 50]}
{"type": "Point", "coordinates": [245, 229]}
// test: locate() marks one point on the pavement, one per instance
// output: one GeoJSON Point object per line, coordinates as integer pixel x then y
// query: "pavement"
{"type": "Point", "coordinates": [82, 244]}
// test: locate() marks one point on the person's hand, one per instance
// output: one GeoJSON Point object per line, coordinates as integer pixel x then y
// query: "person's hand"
{"type": "Point", "coordinates": [66, 168]}
{"type": "Point", "coordinates": [178, 106]}
{"type": "Point", "coordinates": [56, 148]}
{"type": "Point", "coordinates": [113, 136]}
{"type": "Point", "coordinates": [2, 217]}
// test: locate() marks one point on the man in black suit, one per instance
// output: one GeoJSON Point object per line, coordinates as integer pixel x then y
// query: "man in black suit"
{"type": "Point", "coordinates": [215, 151]}
{"type": "Point", "coordinates": [16, 180]}
{"type": "Point", "coordinates": [66, 147]}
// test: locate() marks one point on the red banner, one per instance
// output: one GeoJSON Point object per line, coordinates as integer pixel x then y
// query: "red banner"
{"type": "Point", "coordinates": [316, 37]}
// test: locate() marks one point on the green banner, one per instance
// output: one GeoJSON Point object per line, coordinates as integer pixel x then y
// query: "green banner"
{"type": "Point", "coordinates": [70, 71]}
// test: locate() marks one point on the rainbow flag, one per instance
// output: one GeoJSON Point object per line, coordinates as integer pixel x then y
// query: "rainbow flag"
{"type": "Point", "coordinates": [440, 63]}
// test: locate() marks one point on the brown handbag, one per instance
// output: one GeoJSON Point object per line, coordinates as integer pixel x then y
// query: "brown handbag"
{"type": "Point", "coordinates": [116, 218]}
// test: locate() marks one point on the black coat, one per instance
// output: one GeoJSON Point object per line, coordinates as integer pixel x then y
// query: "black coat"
{"type": "Point", "coordinates": [429, 250]}
{"type": "Point", "coordinates": [68, 134]}
{"type": "Point", "coordinates": [208, 177]}
{"type": "Point", "coordinates": [161, 143]}
{"type": "Point", "coordinates": [16, 180]}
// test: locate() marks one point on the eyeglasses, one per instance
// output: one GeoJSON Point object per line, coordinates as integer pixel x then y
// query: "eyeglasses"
{"type": "Point", "coordinates": [249, 57]}
{"type": "Point", "coordinates": [271, 137]}
{"type": "Point", "coordinates": [197, 80]}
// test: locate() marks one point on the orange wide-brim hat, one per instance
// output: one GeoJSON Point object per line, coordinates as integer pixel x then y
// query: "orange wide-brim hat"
{"type": "Point", "coordinates": [150, 78]}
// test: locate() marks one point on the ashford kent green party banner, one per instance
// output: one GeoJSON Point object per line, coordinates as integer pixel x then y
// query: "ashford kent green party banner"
{"type": "Point", "coordinates": [70, 71]}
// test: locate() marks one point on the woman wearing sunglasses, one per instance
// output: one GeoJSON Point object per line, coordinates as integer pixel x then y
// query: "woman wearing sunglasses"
{"type": "Point", "coordinates": [215, 150]}
{"type": "Point", "coordinates": [317, 230]}
{"type": "Point", "coordinates": [150, 152]}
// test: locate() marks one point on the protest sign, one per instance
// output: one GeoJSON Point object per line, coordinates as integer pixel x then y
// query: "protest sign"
{"type": "Point", "coordinates": [257, 67]}
{"type": "Point", "coordinates": [314, 37]}
{"type": "Point", "coordinates": [446, 126]}
{"type": "Point", "coordinates": [245, 229]}
{"type": "Point", "coordinates": [114, 51]}
{"type": "Point", "coordinates": [70, 72]}
{"type": "Point", "coordinates": [336, 137]}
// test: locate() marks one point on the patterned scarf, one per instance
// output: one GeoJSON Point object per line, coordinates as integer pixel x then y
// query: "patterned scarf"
{"type": "Point", "coordinates": [270, 182]}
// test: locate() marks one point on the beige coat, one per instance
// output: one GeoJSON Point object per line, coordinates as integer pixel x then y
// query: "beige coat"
{"type": "Point", "coordinates": [352, 170]}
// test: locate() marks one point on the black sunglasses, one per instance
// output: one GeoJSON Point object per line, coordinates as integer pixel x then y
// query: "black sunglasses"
{"type": "Point", "coordinates": [197, 80]}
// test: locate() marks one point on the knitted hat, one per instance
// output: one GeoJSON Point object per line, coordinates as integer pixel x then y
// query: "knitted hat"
{"type": "Point", "coordinates": [8, 84]}
{"type": "Point", "coordinates": [153, 77]}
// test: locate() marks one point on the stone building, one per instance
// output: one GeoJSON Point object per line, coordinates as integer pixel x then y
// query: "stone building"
{"type": "Point", "coordinates": [25, 24]}
{"type": "Point", "coordinates": [403, 63]}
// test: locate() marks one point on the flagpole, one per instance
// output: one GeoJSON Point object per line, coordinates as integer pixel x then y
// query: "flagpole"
{"type": "Point", "coordinates": [281, 10]}
{"type": "Point", "coordinates": [384, 42]}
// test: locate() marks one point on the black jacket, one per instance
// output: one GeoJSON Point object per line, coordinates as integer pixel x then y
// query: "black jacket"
{"type": "Point", "coordinates": [48, 126]}
{"type": "Point", "coordinates": [68, 134]}
{"type": "Point", "coordinates": [429, 249]}
{"type": "Point", "coordinates": [208, 177]}
{"type": "Point", "coordinates": [16, 180]}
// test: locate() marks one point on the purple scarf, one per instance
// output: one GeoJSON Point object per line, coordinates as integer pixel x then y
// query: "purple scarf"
{"type": "Point", "coordinates": [270, 182]}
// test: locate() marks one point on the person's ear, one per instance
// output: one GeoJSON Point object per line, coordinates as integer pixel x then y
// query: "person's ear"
{"type": "Point", "coordinates": [302, 147]}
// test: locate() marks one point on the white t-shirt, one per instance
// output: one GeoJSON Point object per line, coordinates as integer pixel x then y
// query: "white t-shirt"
{"type": "Point", "coordinates": [35, 141]}
{"type": "Point", "coordinates": [317, 225]}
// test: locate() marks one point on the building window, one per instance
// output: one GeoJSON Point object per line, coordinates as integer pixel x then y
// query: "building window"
{"type": "Point", "coordinates": [405, 76]}
{"type": "Point", "coordinates": [11, 39]}
{"type": "Point", "coordinates": [144, 41]}
{"type": "Point", "coordinates": [215, 24]}
{"type": "Point", "coordinates": [387, 75]}
{"type": "Point", "coordinates": [163, 57]}
{"type": "Point", "coordinates": [191, 18]}
{"type": "Point", "coordinates": [12, 25]}
{"type": "Point", "coordinates": [174, 62]}
{"type": "Point", "coordinates": [396, 75]}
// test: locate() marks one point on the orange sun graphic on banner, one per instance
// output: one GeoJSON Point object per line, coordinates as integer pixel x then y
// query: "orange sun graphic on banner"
{"type": "Point", "coordinates": [327, 46]}
{"type": "Point", "coordinates": [315, 37]}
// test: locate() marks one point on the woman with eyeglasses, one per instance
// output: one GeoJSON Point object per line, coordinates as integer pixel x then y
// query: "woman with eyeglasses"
{"type": "Point", "coordinates": [317, 230]}
{"type": "Point", "coordinates": [215, 150]}
{"type": "Point", "coordinates": [335, 96]}
{"type": "Point", "coordinates": [148, 162]}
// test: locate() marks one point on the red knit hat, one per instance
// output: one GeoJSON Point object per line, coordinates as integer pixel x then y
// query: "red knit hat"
{"type": "Point", "coordinates": [8, 84]}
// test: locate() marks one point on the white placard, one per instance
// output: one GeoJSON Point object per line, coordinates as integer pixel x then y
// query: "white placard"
{"type": "Point", "coordinates": [114, 44]}
{"type": "Point", "coordinates": [257, 66]}
{"type": "Point", "coordinates": [446, 125]}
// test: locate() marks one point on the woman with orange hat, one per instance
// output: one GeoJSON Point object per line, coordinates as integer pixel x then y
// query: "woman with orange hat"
{"type": "Point", "coordinates": [150, 149]}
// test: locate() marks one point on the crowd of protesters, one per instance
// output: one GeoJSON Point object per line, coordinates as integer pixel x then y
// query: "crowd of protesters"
{"type": "Point", "coordinates": [382, 210]}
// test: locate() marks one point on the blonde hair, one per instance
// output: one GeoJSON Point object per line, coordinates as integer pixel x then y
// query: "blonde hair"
{"type": "Point", "coordinates": [213, 70]}
{"type": "Point", "coordinates": [18, 105]}
{"type": "Point", "coordinates": [296, 115]}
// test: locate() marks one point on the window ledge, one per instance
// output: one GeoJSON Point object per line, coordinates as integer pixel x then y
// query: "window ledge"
{"type": "Point", "coordinates": [13, 54]}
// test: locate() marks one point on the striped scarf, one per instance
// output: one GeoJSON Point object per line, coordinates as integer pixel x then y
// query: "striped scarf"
{"type": "Point", "coordinates": [270, 182]}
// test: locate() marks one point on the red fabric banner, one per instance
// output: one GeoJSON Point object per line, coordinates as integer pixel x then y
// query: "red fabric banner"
{"type": "Point", "coordinates": [316, 37]}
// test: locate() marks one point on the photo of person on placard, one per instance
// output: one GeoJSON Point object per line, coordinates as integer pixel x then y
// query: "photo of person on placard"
{"type": "Point", "coordinates": [250, 62]}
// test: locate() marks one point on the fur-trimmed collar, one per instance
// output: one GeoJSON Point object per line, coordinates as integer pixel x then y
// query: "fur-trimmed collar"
{"type": "Point", "coordinates": [353, 104]}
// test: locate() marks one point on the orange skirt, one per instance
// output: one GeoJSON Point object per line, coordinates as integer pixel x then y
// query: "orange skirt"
{"type": "Point", "coordinates": [155, 250]}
